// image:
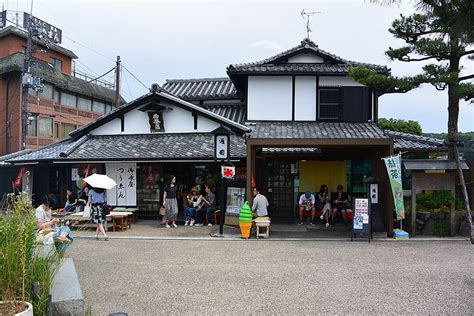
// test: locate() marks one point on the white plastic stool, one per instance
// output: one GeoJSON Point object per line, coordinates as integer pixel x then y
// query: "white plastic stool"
{"type": "Point", "coordinates": [265, 225]}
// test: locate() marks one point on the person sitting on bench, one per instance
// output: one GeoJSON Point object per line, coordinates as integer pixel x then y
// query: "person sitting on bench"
{"type": "Point", "coordinates": [306, 203]}
{"type": "Point", "coordinates": [260, 204]}
{"type": "Point", "coordinates": [324, 203]}
{"type": "Point", "coordinates": [208, 206]}
{"type": "Point", "coordinates": [340, 203]}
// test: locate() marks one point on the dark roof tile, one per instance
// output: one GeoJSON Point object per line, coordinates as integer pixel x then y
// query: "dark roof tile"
{"type": "Point", "coordinates": [410, 142]}
{"type": "Point", "coordinates": [315, 130]}
{"type": "Point", "coordinates": [272, 65]}
{"type": "Point", "coordinates": [198, 89]}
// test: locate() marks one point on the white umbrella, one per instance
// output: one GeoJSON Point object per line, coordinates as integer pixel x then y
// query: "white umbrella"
{"type": "Point", "coordinates": [100, 181]}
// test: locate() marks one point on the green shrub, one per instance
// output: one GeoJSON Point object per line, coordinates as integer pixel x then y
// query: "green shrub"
{"type": "Point", "coordinates": [434, 200]}
{"type": "Point", "coordinates": [23, 275]}
{"type": "Point", "coordinates": [441, 229]}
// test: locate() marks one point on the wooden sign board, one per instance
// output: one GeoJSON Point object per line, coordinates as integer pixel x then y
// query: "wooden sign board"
{"type": "Point", "coordinates": [432, 181]}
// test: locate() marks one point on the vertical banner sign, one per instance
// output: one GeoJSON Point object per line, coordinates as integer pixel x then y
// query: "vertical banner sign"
{"type": "Point", "coordinates": [3, 18]}
{"type": "Point", "coordinates": [394, 169]}
{"type": "Point", "coordinates": [27, 182]}
{"type": "Point", "coordinates": [125, 193]}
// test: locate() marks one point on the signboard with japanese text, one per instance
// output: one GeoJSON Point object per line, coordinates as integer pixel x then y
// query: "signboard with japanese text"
{"type": "Point", "coordinates": [3, 18]}
{"type": "Point", "coordinates": [125, 193]}
{"type": "Point", "coordinates": [42, 29]}
{"type": "Point", "coordinates": [361, 222]}
{"type": "Point", "coordinates": [394, 170]}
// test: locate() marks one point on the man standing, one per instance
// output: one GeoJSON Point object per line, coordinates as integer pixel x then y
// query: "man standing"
{"type": "Point", "coordinates": [306, 203]}
{"type": "Point", "coordinates": [260, 204]}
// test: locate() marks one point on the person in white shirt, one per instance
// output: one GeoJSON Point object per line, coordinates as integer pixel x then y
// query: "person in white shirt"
{"type": "Point", "coordinates": [260, 204]}
{"type": "Point", "coordinates": [43, 214]}
{"type": "Point", "coordinates": [306, 203]}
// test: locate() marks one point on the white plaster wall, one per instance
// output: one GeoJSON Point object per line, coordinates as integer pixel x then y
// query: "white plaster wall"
{"type": "Point", "coordinates": [111, 128]}
{"type": "Point", "coordinates": [305, 98]}
{"type": "Point", "coordinates": [306, 58]}
{"type": "Point", "coordinates": [176, 121]}
{"type": "Point", "coordinates": [269, 98]}
{"type": "Point", "coordinates": [206, 125]}
{"type": "Point", "coordinates": [325, 81]}
{"type": "Point", "coordinates": [136, 122]}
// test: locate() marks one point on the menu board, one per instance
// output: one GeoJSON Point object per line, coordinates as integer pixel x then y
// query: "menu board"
{"type": "Point", "coordinates": [235, 200]}
{"type": "Point", "coordinates": [125, 193]}
{"type": "Point", "coordinates": [361, 220]}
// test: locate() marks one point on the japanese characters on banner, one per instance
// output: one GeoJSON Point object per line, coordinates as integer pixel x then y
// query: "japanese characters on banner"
{"type": "Point", "coordinates": [394, 169]}
{"type": "Point", "coordinates": [228, 172]}
{"type": "Point", "coordinates": [125, 193]}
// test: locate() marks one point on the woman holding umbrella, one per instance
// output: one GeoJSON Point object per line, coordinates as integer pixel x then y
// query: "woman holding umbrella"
{"type": "Point", "coordinates": [99, 183]}
{"type": "Point", "coordinates": [98, 216]}
{"type": "Point", "coordinates": [170, 203]}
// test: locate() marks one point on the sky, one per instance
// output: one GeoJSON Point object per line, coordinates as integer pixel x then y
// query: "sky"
{"type": "Point", "coordinates": [159, 40]}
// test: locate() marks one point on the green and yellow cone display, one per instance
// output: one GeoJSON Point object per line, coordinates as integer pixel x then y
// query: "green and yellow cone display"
{"type": "Point", "coordinates": [245, 220]}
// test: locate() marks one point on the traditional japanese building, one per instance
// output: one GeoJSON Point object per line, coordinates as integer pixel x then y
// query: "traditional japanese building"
{"type": "Point", "coordinates": [299, 121]}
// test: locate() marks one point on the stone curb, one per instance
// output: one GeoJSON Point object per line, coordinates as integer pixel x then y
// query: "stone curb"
{"type": "Point", "coordinates": [235, 238]}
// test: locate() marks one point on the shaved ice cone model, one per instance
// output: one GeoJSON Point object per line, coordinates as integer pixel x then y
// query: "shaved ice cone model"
{"type": "Point", "coordinates": [245, 220]}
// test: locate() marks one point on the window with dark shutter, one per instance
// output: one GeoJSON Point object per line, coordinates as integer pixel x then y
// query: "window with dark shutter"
{"type": "Point", "coordinates": [329, 104]}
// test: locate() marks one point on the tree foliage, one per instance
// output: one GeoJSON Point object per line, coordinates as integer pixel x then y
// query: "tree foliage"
{"type": "Point", "coordinates": [397, 125]}
{"type": "Point", "coordinates": [441, 32]}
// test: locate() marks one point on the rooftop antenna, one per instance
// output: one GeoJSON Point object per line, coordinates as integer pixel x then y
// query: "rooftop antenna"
{"type": "Point", "coordinates": [308, 15]}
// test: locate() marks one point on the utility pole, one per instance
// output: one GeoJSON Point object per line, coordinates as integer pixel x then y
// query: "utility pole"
{"type": "Point", "coordinates": [117, 82]}
{"type": "Point", "coordinates": [26, 81]}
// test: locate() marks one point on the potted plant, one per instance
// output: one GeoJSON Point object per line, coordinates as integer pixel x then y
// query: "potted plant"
{"type": "Point", "coordinates": [25, 278]}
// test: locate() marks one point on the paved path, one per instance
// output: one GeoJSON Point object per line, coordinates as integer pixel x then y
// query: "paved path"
{"type": "Point", "coordinates": [149, 277]}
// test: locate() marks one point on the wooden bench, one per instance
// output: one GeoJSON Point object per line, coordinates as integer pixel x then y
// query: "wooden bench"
{"type": "Point", "coordinates": [120, 220]}
{"type": "Point", "coordinates": [262, 222]}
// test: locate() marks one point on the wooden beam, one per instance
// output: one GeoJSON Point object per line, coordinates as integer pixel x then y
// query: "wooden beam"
{"type": "Point", "coordinates": [318, 142]}
{"type": "Point", "coordinates": [250, 171]}
{"type": "Point", "coordinates": [452, 217]}
{"type": "Point", "coordinates": [413, 204]}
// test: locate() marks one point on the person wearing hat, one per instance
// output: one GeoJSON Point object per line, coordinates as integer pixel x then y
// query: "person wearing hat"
{"type": "Point", "coordinates": [306, 203]}
{"type": "Point", "coordinates": [193, 203]}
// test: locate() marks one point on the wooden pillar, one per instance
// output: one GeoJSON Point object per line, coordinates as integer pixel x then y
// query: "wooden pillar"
{"type": "Point", "coordinates": [413, 203]}
{"type": "Point", "coordinates": [452, 217]}
{"type": "Point", "coordinates": [250, 169]}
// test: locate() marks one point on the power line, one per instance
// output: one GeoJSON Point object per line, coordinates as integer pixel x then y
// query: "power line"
{"type": "Point", "coordinates": [135, 77]}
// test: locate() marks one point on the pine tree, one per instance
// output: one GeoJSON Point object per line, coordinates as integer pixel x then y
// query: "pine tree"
{"type": "Point", "coordinates": [441, 31]}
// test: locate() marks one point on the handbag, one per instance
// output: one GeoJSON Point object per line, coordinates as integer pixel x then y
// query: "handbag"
{"type": "Point", "coordinates": [87, 211]}
{"type": "Point", "coordinates": [162, 211]}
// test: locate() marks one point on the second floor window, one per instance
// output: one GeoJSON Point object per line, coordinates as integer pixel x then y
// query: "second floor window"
{"type": "Point", "coordinates": [57, 63]}
{"type": "Point", "coordinates": [329, 104]}
{"type": "Point", "coordinates": [45, 126]}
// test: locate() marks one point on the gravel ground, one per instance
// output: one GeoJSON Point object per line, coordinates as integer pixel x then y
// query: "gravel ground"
{"type": "Point", "coordinates": [150, 277]}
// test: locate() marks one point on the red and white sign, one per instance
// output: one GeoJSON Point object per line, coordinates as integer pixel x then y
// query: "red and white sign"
{"type": "Point", "coordinates": [228, 172]}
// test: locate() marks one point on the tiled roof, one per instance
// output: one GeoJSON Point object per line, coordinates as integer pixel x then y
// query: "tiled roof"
{"type": "Point", "coordinates": [42, 69]}
{"type": "Point", "coordinates": [324, 130]}
{"type": "Point", "coordinates": [198, 89]}
{"type": "Point", "coordinates": [14, 30]}
{"type": "Point", "coordinates": [234, 112]}
{"type": "Point", "coordinates": [48, 152]}
{"type": "Point", "coordinates": [272, 65]}
{"type": "Point", "coordinates": [136, 147]}
{"type": "Point", "coordinates": [12, 155]}
{"type": "Point", "coordinates": [410, 142]}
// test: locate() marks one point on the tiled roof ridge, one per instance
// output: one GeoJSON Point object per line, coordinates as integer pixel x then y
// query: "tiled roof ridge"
{"type": "Point", "coordinates": [408, 136]}
{"type": "Point", "coordinates": [305, 44]}
{"type": "Point", "coordinates": [197, 80]}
